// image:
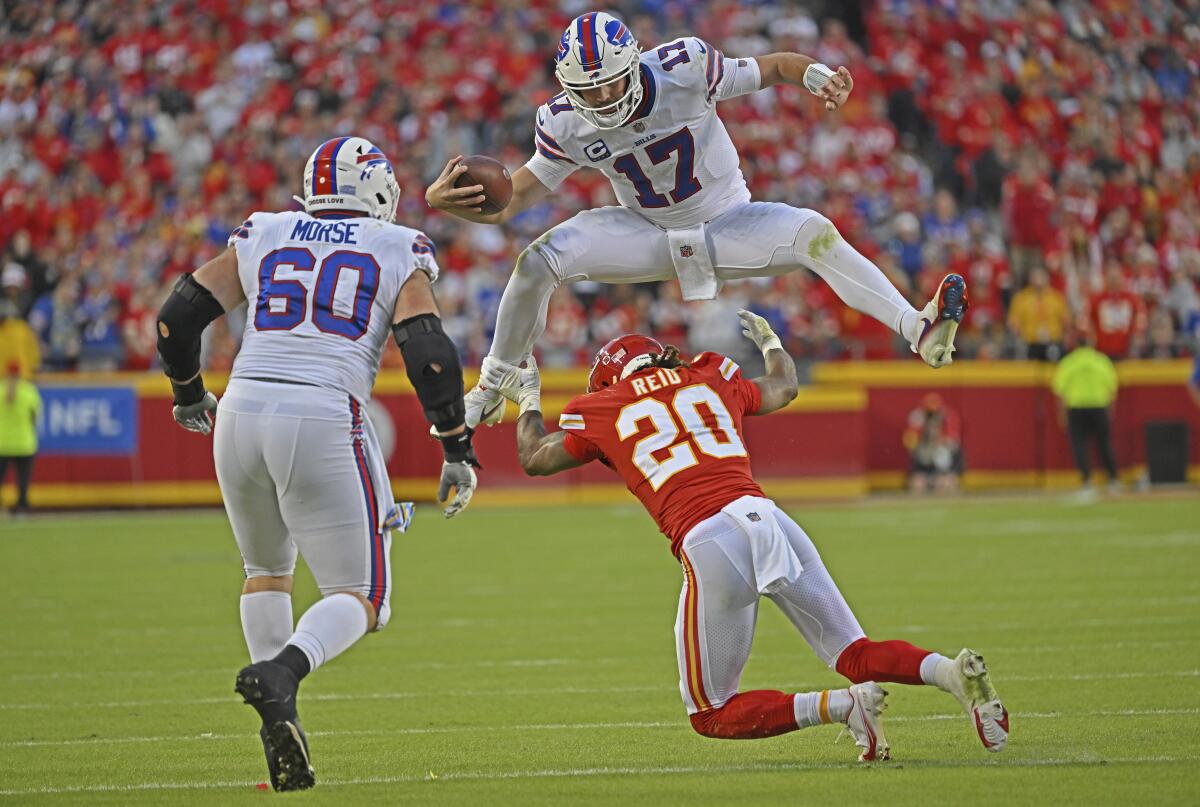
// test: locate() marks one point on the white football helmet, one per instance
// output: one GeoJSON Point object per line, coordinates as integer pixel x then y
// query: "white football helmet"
{"type": "Point", "coordinates": [595, 50]}
{"type": "Point", "coordinates": [350, 174]}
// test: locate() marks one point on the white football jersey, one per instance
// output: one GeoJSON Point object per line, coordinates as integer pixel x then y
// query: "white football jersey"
{"type": "Point", "coordinates": [673, 161]}
{"type": "Point", "coordinates": [322, 294]}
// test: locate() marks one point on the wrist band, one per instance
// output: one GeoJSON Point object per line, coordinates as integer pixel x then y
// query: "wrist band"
{"type": "Point", "coordinates": [816, 76]}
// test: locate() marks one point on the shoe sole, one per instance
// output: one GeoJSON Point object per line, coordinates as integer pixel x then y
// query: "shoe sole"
{"type": "Point", "coordinates": [938, 350]}
{"type": "Point", "coordinates": [283, 743]}
{"type": "Point", "coordinates": [287, 745]}
{"type": "Point", "coordinates": [980, 690]}
{"type": "Point", "coordinates": [940, 339]}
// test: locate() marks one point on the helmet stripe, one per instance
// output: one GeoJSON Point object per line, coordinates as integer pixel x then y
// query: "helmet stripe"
{"type": "Point", "coordinates": [587, 37]}
{"type": "Point", "coordinates": [324, 158]}
{"type": "Point", "coordinates": [333, 165]}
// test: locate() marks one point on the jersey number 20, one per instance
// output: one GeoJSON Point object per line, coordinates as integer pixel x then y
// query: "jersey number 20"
{"type": "Point", "coordinates": [283, 303]}
{"type": "Point", "coordinates": [721, 442]}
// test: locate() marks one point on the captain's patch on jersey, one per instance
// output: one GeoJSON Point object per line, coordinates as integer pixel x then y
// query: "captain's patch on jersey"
{"type": "Point", "coordinates": [597, 150]}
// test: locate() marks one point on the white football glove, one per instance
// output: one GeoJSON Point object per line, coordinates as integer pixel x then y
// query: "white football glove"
{"type": "Point", "coordinates": [758, 331]}
{"type": "Point", "coordinates": [524, 387]}
{"type": "Point", "coordinates": [196, 417]}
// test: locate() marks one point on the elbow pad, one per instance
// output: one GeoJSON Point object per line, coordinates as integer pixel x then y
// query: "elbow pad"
{"type": "Point", "coordinates": [434, 368]}
{"type": "Point", "coordinates": [182, 319]}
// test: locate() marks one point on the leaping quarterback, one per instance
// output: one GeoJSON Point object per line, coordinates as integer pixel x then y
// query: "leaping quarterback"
{"type": "Point", "coordinates": [648, 121]}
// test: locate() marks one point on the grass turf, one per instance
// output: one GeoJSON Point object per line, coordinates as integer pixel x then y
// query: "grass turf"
{"type": "Point", "coordinates": [530, 660]}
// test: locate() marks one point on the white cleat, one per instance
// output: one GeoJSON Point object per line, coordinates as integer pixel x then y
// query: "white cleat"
{"type": "Point", "coordinates": [484, 406]}
{"type": "Point", "coordinates": [941, 317]}
{"type": "Point", "coordinates": [969, 681]}
{"type": "Point", "coordinates": [864, 724]}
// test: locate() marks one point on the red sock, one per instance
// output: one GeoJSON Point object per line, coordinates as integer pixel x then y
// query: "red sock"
{"type": "Point", "coordinates": [894, 660]}
{"type": "Point", "coordinates": [748, 716]}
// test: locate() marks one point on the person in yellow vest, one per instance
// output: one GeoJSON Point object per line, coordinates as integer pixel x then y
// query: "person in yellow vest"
{"type": "Point", "coordinates": [1085, 382]}
{"type": "Point", "coordinates": [20, 404]}
{"type": "Point", "coordinates": [1038, 315]}
{"type": "Point", "coordinates": [18, 342]}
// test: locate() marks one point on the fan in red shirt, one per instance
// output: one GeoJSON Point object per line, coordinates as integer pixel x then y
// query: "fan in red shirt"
{"type": "Point", "coordinates": [673, 431]}
{"type": "Point", "coordinates": [1117, 315]}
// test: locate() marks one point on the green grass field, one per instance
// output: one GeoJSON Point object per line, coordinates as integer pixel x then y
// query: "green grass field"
{"type": "Point", "coordinates": [530, 660]}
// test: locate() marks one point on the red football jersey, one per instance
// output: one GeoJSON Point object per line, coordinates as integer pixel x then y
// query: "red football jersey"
{"type": "Point", "coordinates": [674, 436]}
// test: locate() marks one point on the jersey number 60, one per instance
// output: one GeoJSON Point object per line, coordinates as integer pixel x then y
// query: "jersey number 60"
{"type": "Point", "coordinates": [282, 303]}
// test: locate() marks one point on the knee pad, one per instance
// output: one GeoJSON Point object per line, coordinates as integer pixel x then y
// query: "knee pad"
{"type": "Point", "coordinates": [533, 265]}
{"type": "Point", "coordinates": [815, 237]}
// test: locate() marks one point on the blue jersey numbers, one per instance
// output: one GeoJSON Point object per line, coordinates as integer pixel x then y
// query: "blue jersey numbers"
{"type": "Point", "coordinates": [352, 277]}
{"type": "Point", "coordinates": [686, 185]}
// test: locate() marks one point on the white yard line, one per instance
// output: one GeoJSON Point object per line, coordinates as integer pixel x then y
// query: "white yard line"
{"type": "Point", "coordinates": [679, 725]}
{"type": "Point", "coordinates": [493, 693]}
{"type": "Point", "coordinates": [563, 773]}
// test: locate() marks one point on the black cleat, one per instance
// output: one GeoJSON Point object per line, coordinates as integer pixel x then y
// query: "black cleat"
{"type": "Point", "coordinates": [271, 689]}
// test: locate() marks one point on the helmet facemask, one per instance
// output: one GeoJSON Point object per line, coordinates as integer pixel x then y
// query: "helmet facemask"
{"type": "Point", "coordinates": [611, 114]}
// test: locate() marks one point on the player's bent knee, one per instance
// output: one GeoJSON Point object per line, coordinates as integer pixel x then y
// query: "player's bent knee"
{"type": "Point", "coordinates": [258, 583]}
{"type": "Point", "coordinates": [815, 237]}
{"type": "Point", "coordinates": [533, 266]}
{"type": "Point", "coordinates": [708, 724]}
{"type": "Point", "coordinates": [374, 622]}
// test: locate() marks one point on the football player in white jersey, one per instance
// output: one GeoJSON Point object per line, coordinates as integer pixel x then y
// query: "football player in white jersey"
{"type": "Point", "coordinates": [648, 121]}
{"type": "Point", "coordinates": [298, 463]}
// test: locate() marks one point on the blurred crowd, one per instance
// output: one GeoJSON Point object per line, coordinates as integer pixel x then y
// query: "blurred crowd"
{"type": "Point", "coordinates": [1049, 152]}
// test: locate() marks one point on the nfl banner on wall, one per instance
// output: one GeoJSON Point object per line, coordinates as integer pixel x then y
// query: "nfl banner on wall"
{"type": "Point", "coordinates": [88, 420]}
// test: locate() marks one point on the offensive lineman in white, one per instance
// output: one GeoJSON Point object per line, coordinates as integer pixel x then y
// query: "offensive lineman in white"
{"type": "Point", "coordinates": [298, 463]}
{"type": "Point", "coordinates": [649, 123]}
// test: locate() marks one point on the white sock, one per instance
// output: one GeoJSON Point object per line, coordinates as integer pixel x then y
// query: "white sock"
{"type": "Point", "coordinates": [808, 707]}
{"type": "Point", "coordinates": [330, 628]}
{"type": "Point", "coordinates": [859, 283]}
{"type": "Point", "coordinates": [266, 623]}
{"type": "Point", "coordinates": [932, 671]}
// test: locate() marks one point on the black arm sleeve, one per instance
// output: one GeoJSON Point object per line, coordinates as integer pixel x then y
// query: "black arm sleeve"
{"type": "Point", "coordinates": [182, 319]}
{"type": "Point", "coordinates": [433, 367]}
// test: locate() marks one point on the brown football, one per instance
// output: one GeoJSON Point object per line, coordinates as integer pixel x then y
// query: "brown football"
{"type": "Point", "coordinates": [493, 176]}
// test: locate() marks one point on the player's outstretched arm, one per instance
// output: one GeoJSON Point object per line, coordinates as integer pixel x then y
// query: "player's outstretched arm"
{"type": "Point", "coordinates": [528, 190]}
{"type": "Point", "coordinates": [803, 71]}
{"type": "Point", "coordinates": [779, 386]}
{"type": "Point", "coordinates": [196, 301]}
{"type": "Point", "coordinates": [435, 371]}
{"type": "Point", "coordinates": [541, 454]}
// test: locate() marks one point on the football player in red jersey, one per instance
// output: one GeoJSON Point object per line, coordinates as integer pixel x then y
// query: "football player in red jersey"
{"type": "Point", "coordinates": [673, 431]}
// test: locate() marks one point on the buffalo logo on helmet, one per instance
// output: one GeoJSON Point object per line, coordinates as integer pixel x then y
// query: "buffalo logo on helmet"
{"type": "Point", "coordinates": [616, 33]}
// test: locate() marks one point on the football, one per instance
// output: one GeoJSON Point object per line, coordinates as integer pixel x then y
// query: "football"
{"type": "Point", "coordinates": [493, 176]}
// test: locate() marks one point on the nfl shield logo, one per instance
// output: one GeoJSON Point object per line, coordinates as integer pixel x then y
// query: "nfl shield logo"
{"type": "Point", "coordinates": [639, 127]}
{"type": "Point", "coordinates": [754, 516]}
{"type": "Point", "coordinates": [686, 251]}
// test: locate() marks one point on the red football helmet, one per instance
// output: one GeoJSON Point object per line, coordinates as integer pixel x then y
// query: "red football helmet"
{"type": "Point", "coordinates": [613, 359]}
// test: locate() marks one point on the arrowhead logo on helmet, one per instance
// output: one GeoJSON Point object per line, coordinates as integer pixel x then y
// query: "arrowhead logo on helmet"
{"type": "Point", "coordinates": [621, 357]}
